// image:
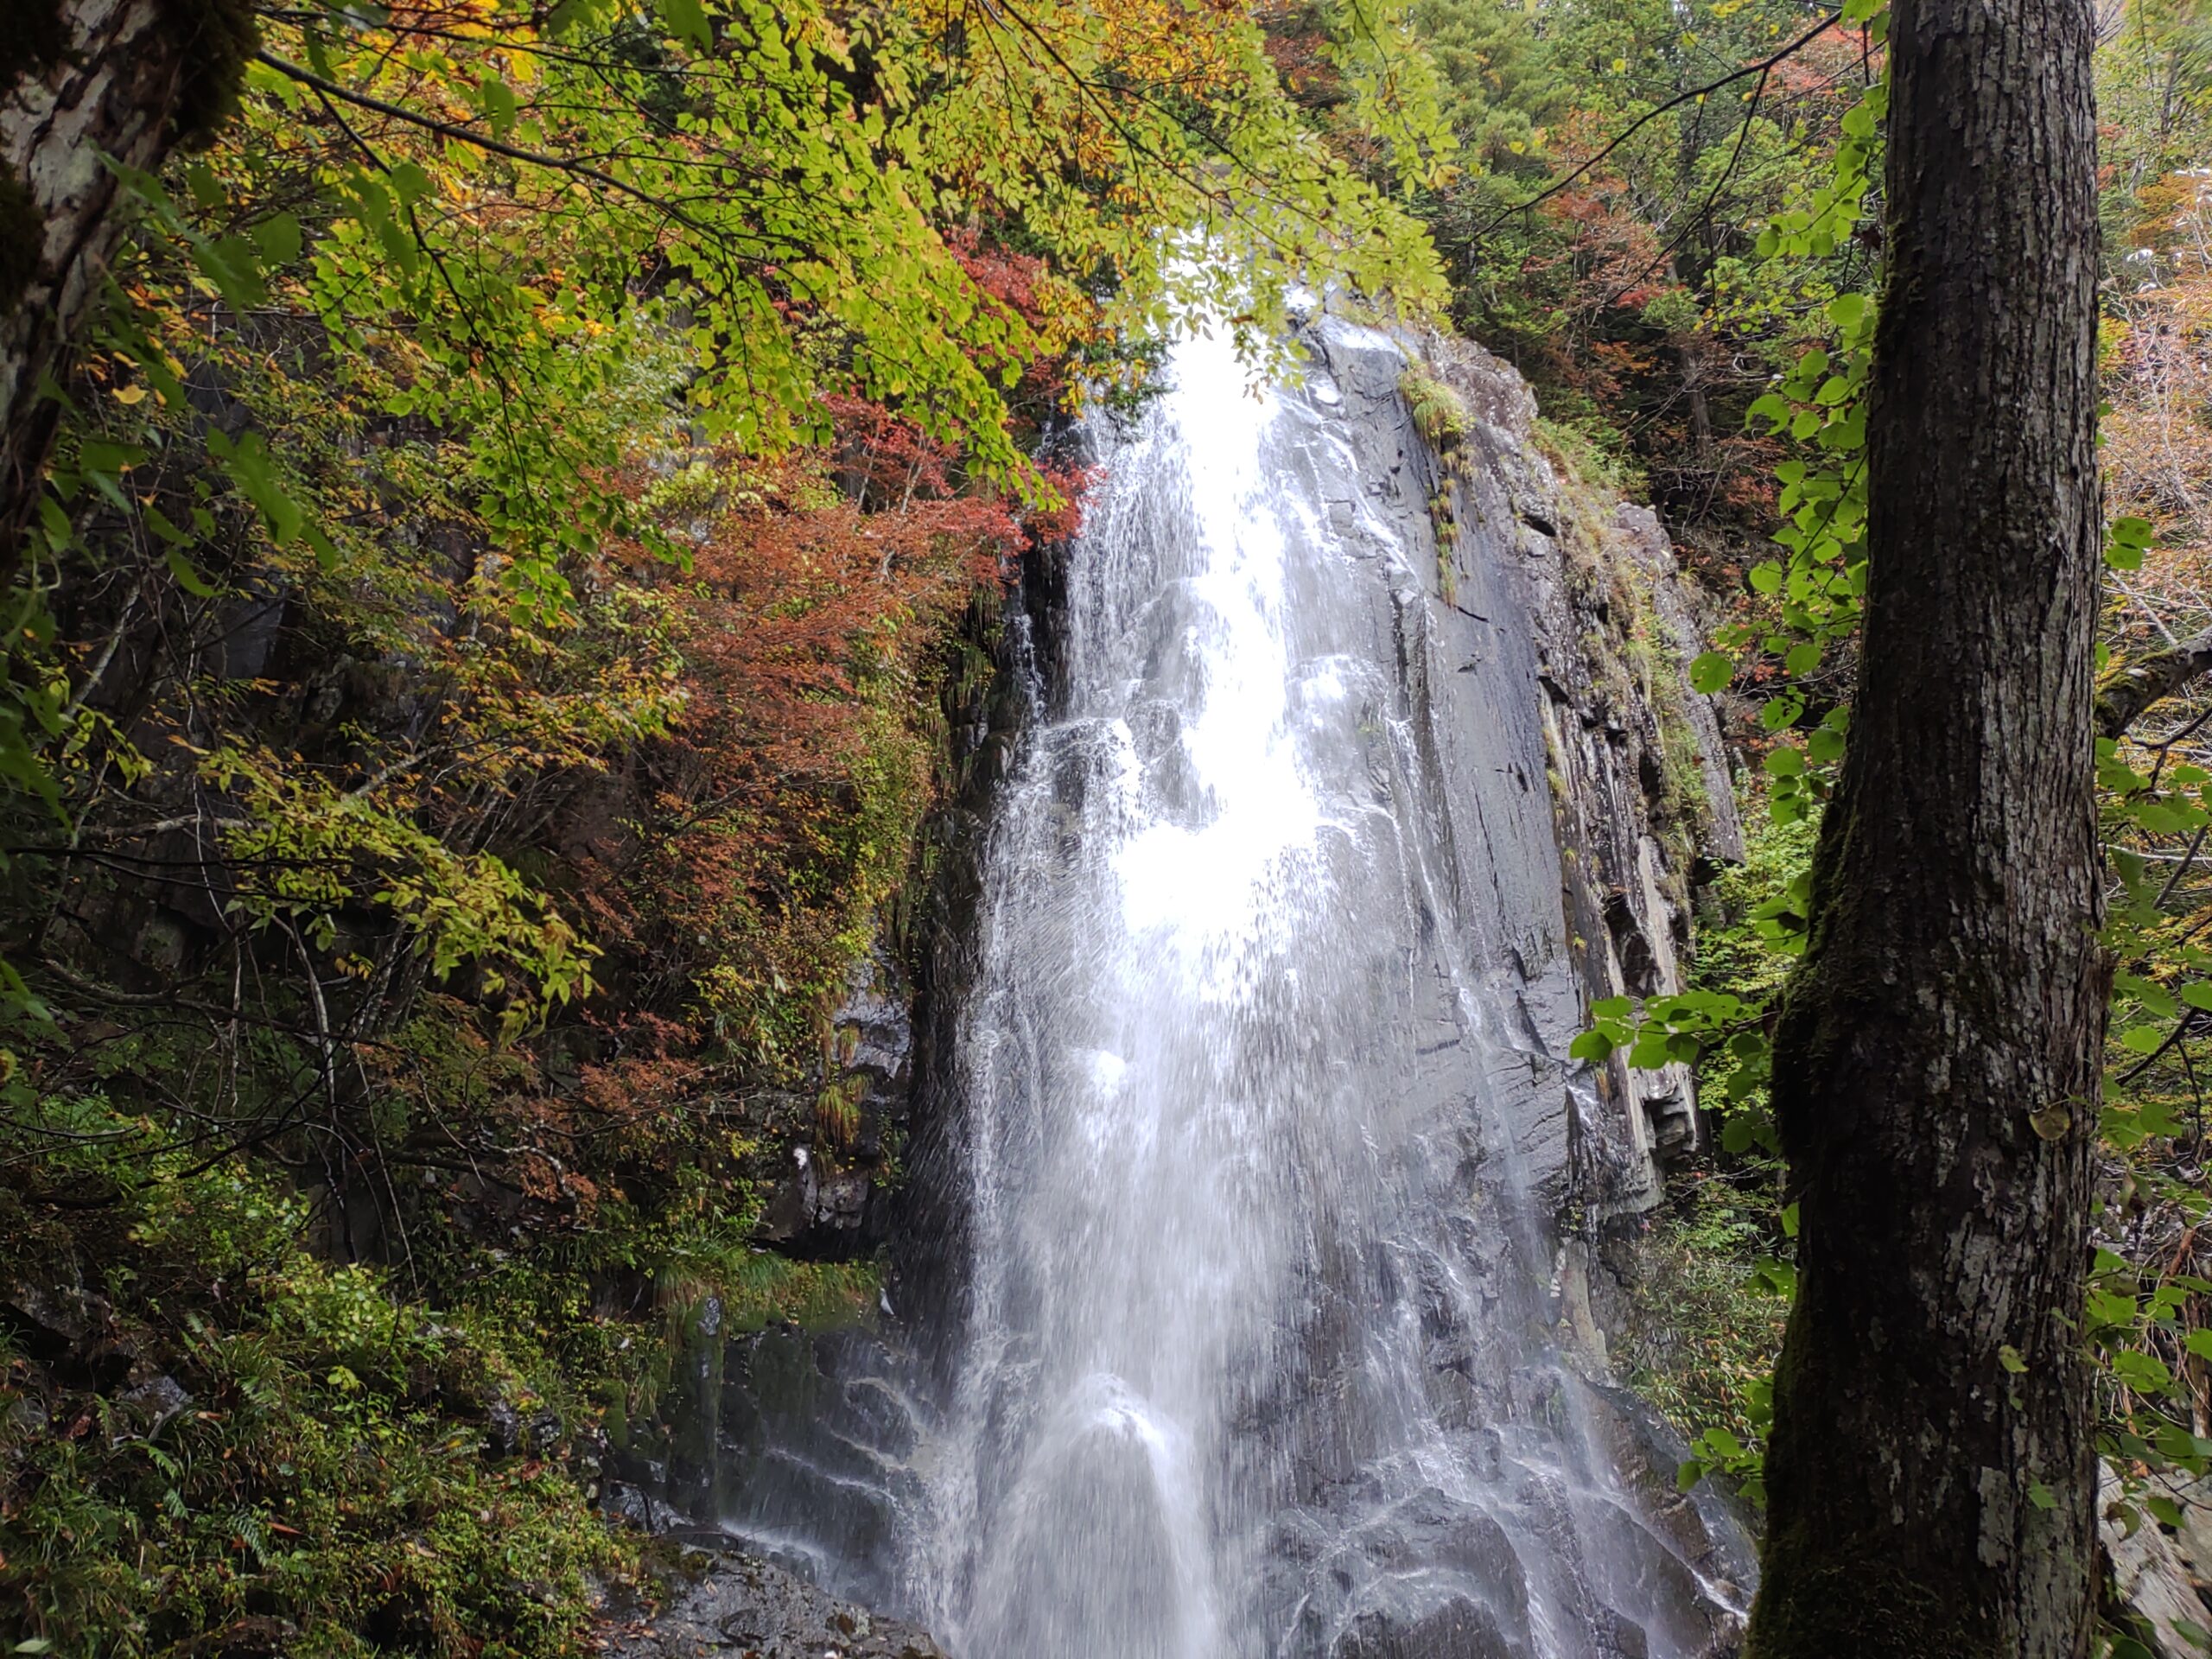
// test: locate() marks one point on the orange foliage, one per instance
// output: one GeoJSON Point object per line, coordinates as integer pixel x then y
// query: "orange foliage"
{"type": "Point", "coordinates": [779, 809]}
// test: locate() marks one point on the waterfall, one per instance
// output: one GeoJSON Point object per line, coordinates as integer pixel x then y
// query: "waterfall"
{"type": "Point", "coordinates": [1252, 1352]}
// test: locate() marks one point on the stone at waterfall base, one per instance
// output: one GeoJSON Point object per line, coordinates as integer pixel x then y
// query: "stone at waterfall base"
{"type": "Point", "coordinates": [732, 1606]}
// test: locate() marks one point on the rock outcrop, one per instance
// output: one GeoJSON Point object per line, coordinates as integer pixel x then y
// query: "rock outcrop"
{"type": "Point", "coordinates": [1550, 647]}
{"type": "Point", "coordinates": [724, 1605]}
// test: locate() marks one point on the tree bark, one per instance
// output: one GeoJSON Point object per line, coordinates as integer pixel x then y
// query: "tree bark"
{"type": "Point", "coordinates": [1929, 1475]}
{"type": "Point", "coordinates": [131, 79]}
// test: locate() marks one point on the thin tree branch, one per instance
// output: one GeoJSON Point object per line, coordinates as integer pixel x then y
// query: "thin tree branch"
{"type": "Point", "coordinates": [1762, 68]}
{"type": "Point", "coordinates": [468, 136]}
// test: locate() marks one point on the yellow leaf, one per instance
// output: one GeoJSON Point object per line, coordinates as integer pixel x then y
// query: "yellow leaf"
{"type": "Point", "coordinates": [129, 395]}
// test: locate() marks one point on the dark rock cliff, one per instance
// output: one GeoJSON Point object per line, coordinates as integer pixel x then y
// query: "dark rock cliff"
{"type": "Point", "coordinates": [1547, 641]}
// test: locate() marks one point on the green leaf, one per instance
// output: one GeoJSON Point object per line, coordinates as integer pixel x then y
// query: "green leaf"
{"type": "Point", "coordinates": [1779, 714]}
{"type": "Point", "coordinates": [250, 467]}
{"type": "Point", "coordinates": [2009, 1357]}
{"type": "Point", "coordinates": [2041, 1496]}
{"type": "Point", "coordinates": [1723, 1441]}
{"type": "Point", "coordinates": [1785, 760]}
{"type": "Point", "coordinates": [231, 264]}
{"type": "Point", "coordinates": [188, 578]}
{"type": "Point", "coordinates": [205, 188]}
{"type": "Point", "coordinates": [687, 20]}
{"type": "Point", "coordinates": [1711, 672]}
{"type": "Point", "coordinates": [2155, 998]}
{"type": "Point", "coordinates": [278, 238]}
{"type": "Point", "coordinates": [410, 183]}
{"type": "Point", "coordinates": [1775, 1277]}
{"type": "Point", "coordinates": [499, 105]}
{"type": "Point", "coordinates": [1591, 1045]}
{"type": "Point", "coordinates": [2144, 1373]}
{"type": "Point", "coordinates": [1765, 578]}
{"type": "Point", "coordinates": [1772, 407]}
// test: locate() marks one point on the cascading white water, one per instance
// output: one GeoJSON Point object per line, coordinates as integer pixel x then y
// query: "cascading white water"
{"type": "Point", "coordinates": [1245, 1352]}
{"type": "Point", "coordinates": [1248, 1361]}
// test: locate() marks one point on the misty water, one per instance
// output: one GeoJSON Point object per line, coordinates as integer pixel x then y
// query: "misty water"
{"type": "Point", "coordinates": [1251, 1351]}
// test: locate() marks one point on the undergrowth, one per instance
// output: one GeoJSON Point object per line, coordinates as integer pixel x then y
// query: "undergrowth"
{"type": "Point", "coordinates": [215, 1439]}
{"type": "Point", "coordinates": [1706, 1326]}
{"type": "Point", "coordinates": [1713, 1276]}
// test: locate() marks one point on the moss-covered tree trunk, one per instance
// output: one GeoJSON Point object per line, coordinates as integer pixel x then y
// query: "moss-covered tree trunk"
{"type": "Point", "coordinates": [1937, 1064]}
{"type": "Point", "coordinates": [79, 78]}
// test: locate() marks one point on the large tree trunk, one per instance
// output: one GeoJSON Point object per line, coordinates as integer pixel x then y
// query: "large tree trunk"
{"type": "Point", "coordinates": [78, 77]}
{"type": "Point", "coordinates": [1937, 1064]}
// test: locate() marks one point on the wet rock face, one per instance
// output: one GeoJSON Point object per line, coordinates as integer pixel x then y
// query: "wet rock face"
{"type": "Point", "coordinates": [1456, 1629]}
{"type": "Point", "coordinates": [732, 1606]}
{"type": "Point", "coordinates": [826, 1157]}
{"type": "Point", "coordinates": [1430, 1577]}
{"type": "Point", "coordinates": [1544, 636]}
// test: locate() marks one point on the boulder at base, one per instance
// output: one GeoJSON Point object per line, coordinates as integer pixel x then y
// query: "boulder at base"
{"type": "Point", "coordinates": [734, 1606]}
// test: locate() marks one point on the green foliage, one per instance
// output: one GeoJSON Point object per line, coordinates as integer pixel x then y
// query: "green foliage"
{"type": "Point", "coordinates": [1589, 450]}
{"type": "Point", "coordinates": [301, 1460]}
{"type": "Point", "coordinates": [1604, 234]}
{"type": "Point", "coordinates": [1502, 82]}
{"type": "Point", "coordinates": [1393, 95]}
{"type": "Point", "coordinates": [1754, 928]}
{"type": "Point", "coordinates": [1716, 1267]}
{"type": "Point", "coordinates": [1439, 414]}
{"type": "Point", "coordinates": [2154, 95]}
{"type": "Point", "coordinates": [1713, 1290]}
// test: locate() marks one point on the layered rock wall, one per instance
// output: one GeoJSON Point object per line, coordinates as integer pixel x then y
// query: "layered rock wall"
{"type": "Point", "coordinates": [1549, 650]}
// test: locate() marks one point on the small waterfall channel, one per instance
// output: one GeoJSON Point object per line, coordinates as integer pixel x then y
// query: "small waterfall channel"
{"type": "Point", "coordinates": [1250, 1355]}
